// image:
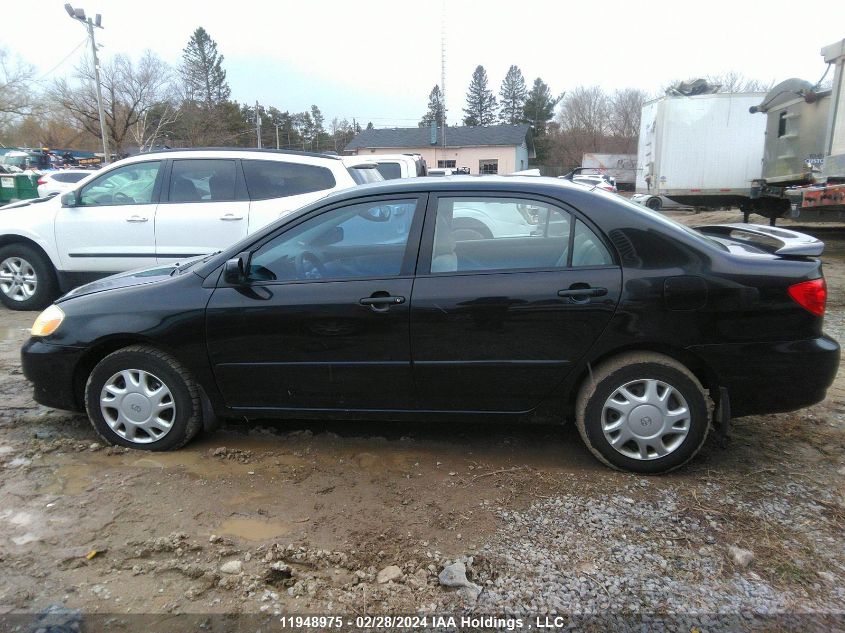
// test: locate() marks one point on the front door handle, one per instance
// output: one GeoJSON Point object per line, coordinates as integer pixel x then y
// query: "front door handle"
{"type": "Point", "coordinates": [230, 217]}
{"type": "Point", "coordinates": [136, 218]}
{"type": "Point", "coordinates": [382, 301]}
{"type": "Point", "coordinates": [582, 293]}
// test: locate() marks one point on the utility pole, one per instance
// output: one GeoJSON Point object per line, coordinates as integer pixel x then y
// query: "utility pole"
{"type": "Point", "coordinates": [258, 123]}
{"type": "Point", "coordinates": [277, 135]}
{"type": "Point", "coordinates": [79, 14]}
{"type": "Point", "coordinates": [443, 73]}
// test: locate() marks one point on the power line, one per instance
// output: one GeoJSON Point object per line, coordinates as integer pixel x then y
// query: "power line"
{"type": "Point", "coordinates": [64, 59]}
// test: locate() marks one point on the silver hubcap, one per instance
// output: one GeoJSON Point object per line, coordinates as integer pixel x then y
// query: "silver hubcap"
{"type": "Point", "coordinates": [645, 419]}
{"type": "Point", "coordinates": [18, 280]}
{"type": "Point", "coordinates": [137, 406]}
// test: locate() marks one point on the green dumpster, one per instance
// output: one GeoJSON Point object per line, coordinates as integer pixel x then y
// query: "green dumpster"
{"type": "Point", "coordinates": [18, 187]}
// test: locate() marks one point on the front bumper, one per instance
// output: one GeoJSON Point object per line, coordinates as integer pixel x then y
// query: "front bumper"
{"type": "Point", "coordinates": [773, 377]}
{"type": "Point", "coordinates": [51, 369]}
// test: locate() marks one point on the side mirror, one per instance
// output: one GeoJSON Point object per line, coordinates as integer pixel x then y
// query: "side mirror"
{"type": "Point", "coordinates": [69, 199]}
{"type": "Point", "coordinates": [233, 270]}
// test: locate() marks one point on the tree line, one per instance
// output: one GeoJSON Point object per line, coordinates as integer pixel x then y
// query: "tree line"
{"type": "Point", "coordinates": [148, 103]}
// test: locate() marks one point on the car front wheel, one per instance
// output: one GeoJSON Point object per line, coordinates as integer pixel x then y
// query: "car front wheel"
{"type": "Point", "coordinates": [27, 280]}
{"type": "Point", "coordinates": [643, 413]}
{"type": "Point", "coordinates": [141, 397]}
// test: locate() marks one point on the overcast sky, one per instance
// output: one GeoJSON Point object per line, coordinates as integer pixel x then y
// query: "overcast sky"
{"type": "Point", "coordinates": [377, 60]}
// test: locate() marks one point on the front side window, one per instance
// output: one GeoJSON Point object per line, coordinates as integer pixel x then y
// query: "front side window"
{"type": "Point", "coordinates": [277, 179]}
{"type": "Point", "coordinates": [130, 184]}
{"type": "Point", "coordinates": [484, 234]}
{"type": "Point", "coordinates": [360, 240]}
{"type": "Point", "coordinates": [202, 180]}
{"type": "Point", "coordinates": [489, 166]}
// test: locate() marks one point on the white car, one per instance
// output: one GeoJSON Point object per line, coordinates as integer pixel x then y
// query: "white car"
{"type": "Point", "coordinates": [390, 166]}
{"type": "Point", "coordinates": [52, 182]}
{"type": "Point", "coordinates": [158, 207]}
{"type": "Point", "coordinates": [595, 180]}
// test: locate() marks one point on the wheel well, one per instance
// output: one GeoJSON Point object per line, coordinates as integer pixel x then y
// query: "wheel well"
{"type": "Point", "coordinates": [705, 375]}
{"type": "Point", "coordinates": [95, 355]}
{"type": "Point", "coordinates": [6, 240]}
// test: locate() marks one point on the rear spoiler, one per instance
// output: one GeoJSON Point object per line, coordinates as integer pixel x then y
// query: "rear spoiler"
{"type": "Point", "coordinates": [792, 243]}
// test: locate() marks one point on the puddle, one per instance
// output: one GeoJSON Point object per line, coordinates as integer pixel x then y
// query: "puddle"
{"type": "Point", "coordinates": [73, 479]}
{"type": "Point", "coordinates": [199, 464]}
{"type": "Point", "coordinates": [254, 529]}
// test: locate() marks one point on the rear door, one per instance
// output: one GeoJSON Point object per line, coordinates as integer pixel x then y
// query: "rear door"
{"type": "Point", "coordinates": [204, 208]}
{"type": "Point", "coordinates": [498, 322]}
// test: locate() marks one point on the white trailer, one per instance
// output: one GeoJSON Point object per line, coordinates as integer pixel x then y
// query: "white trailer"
{"type": "Point", "coordinates": [701, 151]}
{"type": "Point", "coordinates": [622, 167]}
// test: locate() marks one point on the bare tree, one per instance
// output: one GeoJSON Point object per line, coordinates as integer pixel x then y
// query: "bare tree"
{"type": "Point", "coordinates": [585, 111]}
{"type": "Point", "coordinates": [733, 81]}
{"type": "Point", "coordinates": [16, 98]}
{"type": "Point", "coordinates": [129, 92]}
{"type": "Point", "coordinates": [626, 106]}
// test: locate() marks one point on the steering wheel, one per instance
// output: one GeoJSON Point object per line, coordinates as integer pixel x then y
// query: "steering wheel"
{"type": "Point", "coordinates": [121, 198]}
{"type": "Point", "coordinates": [309, 266]}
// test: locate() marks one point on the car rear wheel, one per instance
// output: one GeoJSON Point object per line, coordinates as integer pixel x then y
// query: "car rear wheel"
{"type": "Point", "coordinates": [655, 204]}
{"type": "Point", "coordinates": [643, 413]}
{"type": "Point", "coordinates": [141, 397]}
{"type": "Point", "coordinates": [27, 280]}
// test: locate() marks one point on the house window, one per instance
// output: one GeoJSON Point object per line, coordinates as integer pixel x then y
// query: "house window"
{"type": "Point", "coordinates": [782, 124]}
{"type": "Point", "coordinates": [489, 166]}
{"type": "Point", "coordinates": [446, 164]}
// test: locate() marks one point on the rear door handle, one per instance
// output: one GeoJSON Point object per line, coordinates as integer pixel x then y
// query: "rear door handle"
{"type": "Point", "coordinates": [381, 301]}
{"type": "Point", "coordinates": [136, 218]}
{"type": "Point", "coordinates": [582, 293]}
{"type": "Point", "coordinates": [230, 217]}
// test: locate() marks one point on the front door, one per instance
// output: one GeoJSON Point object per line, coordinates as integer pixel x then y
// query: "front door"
{"type": "Point", "coordinates": [112, 226]}
{"type": "Point", "coordinates": [506, 310]}
{"type": "Point", "coordinates": [203, 209]}
{"type": "Point", "coordinates": [322, 323]}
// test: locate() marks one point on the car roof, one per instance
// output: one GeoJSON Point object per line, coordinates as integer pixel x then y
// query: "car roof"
{"type": "Point", "coordinates": [231, 152]}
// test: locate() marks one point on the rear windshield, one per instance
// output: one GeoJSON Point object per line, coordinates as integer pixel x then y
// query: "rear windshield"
{"type": "Point", "coordinates": [389, 171]}
{"type": "Point", "coordinates": [363, 175]}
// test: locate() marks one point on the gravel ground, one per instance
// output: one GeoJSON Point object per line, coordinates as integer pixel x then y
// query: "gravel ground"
{"type": "Point", "coordinates": [311, 517]}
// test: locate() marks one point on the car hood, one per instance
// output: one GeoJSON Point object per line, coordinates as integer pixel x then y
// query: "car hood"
{"type": "Point", "coordinates": [129, 279]}
{"type": "Point", "coordinates": [26, 203]}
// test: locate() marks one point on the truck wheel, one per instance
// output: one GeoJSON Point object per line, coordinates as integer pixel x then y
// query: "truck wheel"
{"type": "Point", "coordinates": [655, 204]}
{"type": "Point", "coordinates": [643, 412]}
{"type": "Point", "coordinates": [27, 278]}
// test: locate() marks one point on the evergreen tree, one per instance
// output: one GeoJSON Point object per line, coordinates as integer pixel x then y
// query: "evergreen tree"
{"type": "Point", "coordinates": [512, 96]}
{"type": "Point", "coordinates": [202, 70]}
{"type": "Point", "coordinates": [481, 104]}
{"type": "Point", "coordinates": [539, 107]}
{"type": "Point", "coordinates": [436, 112]}
{"type": "Point", "coordinates": [370, 125]}
{"type": "Point", "coordinates": [319, 129]}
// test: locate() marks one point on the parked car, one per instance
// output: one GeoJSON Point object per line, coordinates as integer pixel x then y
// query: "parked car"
{"type": "Point", "coordinates": [441, 171]}
{"type": "Point", "coordinates": [390, 166]}
{"type": "Point", "coordinates": [595, 180]}
{"type": "Point", "coordinates": [156, 207]}
{"type": "Point", "coordinates": [364, 306]}
{"type": "Point", "coordinates": [657, 203]}
{"type": "Point", "coordinates": [53, 182]}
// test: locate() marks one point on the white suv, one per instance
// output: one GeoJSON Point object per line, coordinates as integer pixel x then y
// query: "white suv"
{"type": "Point", "coordinates": [158, 207]}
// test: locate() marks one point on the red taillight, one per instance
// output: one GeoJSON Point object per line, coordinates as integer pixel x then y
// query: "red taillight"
{"type": "Point", "coordinates": [810, 295]}
{"type": "Point", "coordinates": [42, 181]}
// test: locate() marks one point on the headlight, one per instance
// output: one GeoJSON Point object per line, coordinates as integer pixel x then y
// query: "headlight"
{"type": "Point", "coordinates": [48, 321]}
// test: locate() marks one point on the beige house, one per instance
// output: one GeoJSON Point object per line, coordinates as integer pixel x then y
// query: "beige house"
{"type": "Point", "coordinates": [491, 149]}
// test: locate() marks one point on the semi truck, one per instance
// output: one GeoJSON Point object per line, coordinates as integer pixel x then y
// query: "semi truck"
{"type": "Point", "coordinates": [803, 171]}
{"type": "Point", "coordinates": [621, 167]}
{"type": "Point", "coordinates": [702, 151]}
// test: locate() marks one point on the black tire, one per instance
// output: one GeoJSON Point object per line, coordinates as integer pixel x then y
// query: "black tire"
{"type": "Point", "coordinates": [655, 204]}
{"type": "Point", "coordinates": [632, 367]}
{"type": "Point", "coordinates": [46, 286]}
{"type": "Point", "coordinates": [185, 422]}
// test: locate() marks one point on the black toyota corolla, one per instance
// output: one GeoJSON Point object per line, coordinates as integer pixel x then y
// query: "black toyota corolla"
{"type": "Point", "coordinates": [494, 299]}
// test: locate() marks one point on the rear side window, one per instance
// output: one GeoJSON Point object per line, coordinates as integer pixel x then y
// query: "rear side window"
{"type": "Point", "coordinates": [389, 171]}
{"type": "Point", "coordinates": [588, 249]}
{"type": "Point", "coordinates": [363, 175]}
{"type": "Point", "coordinates": [68, 177]}
{"type": "Point", "coordinates": [202, 180]}
{"type": "Point", "coordinates": [277, 179]}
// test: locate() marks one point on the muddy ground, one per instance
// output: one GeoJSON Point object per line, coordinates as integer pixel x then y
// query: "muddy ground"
{"type": "Point", "coordinates": [311, 512]}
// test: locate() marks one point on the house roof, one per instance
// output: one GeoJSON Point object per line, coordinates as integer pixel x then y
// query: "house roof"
{"type": "Point", "coordinates": [458, 136]}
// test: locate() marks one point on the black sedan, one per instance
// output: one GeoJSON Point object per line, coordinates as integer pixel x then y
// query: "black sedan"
{"type": "Point", "coordinates": [506, 299]}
